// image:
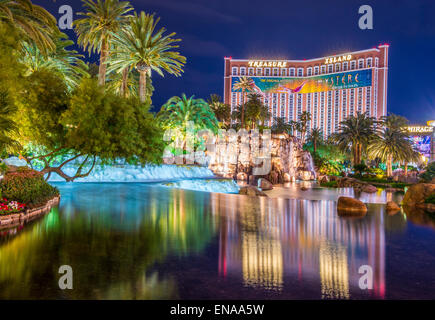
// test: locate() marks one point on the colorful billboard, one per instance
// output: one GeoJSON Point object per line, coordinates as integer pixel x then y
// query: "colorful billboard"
{"type": "Point", "coordinates": [343, 80]}
{"type": "Point", "coordinates": [421, 144]}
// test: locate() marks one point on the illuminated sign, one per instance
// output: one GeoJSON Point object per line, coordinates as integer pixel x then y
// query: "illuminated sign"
{"type": "Point", "coordinates": [267, 63]}
{"type": "Point", "coordinates": [346, 57]}
{"type": "Point", "coordinates": [431, 123]}
{"type": "Point", "coordinates": [419, 129]}
{"type": "Point", "coordinates": [342, 80]}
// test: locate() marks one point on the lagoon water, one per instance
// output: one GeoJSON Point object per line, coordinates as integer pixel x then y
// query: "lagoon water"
{"type": "Point", "coordinates": [151, 241]}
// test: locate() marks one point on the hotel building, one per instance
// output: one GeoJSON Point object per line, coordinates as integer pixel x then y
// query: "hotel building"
{"type": "Point", "coordinates": [329, 88]}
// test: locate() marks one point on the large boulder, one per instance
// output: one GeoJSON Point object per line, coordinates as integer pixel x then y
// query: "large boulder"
{"type": "Point", "coordinates": [251, 191]}
{"type": "Point", "coordinates": [242, 176]}
{"type": "Point", "coordinates": [263, 184]}
{"type": "Point", "coordinates": [417, 193]}
{"type": "Point", "coordinates": [369, 189]}
{"type": "Point", "coordinates": [392, 207]}
{"type": "Point", "coordinates": [351, 206]}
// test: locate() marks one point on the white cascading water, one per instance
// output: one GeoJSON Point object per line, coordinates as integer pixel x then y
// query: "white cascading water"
{"type": "Point", "coordinates": [183, 177]}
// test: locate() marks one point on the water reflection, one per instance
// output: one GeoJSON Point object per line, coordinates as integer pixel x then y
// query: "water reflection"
{"type": "Point", "coordinates": [138, 241]}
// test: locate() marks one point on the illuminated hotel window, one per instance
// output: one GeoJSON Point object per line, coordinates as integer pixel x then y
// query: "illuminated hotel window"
{"type": "Point", "coordinates": [322, 113]}
{"type": "Point", "coordinates": [369, 62]}
{"type": "Point", "coordinates": [275, 72]}
{"type": "Point", "coordinates": [309, 71]}
{"type": "Point", "coordinates": [344, 104]}
{"type": "Point", "coordinates": [375, 98]}
{"type": "Point", "coordinates": [323, 69]}
{"type": "Point", "coordinates": [258, 72]}
{"type": "Point", "coordinates": [376, 62]}
{"type": "Point", "coordinates": [360, 63]}
{"type": "Point", "coordinates": [267, 72]}
{"type": "Point", "coordinates": [352, 102]}
{"type": "Point", "coordinates": [283, 72]}
{"type": "Point", "coordinates": [250, 71]}
{"type": "Point", "coordinates": [360, 97]}
{"type": "Point", "coordinates": [316, 70]}
{"type": "Point", "coordinates": [234, 71]}
{"type": "Point", "coordinates": [337, 67]}
{"type": "Point", "coordinates": [291, 102]}
{"type": "Point", "coordinates": [345, 65]}
{"type": "Point", "coordinates": [336, 109]}
{"type": "Point", "coordinates": [282, 100]}
{"type": "Point", "coordinates": [329, 116]}
{"type": "Point", "coordinates": [352, 65]}
{"type": "Point", "coordinates": [368, 99]}
{"type": "Point", "coordinates": [300, 72]}
{"type": "Point", "coordinates": [299, 105]}
{"type": "Point", "coordinates": [315, 110]}
{"type": "Point", "coordinates": [243, 71]}
{"type": "Point", "coordinates": [292, 72]}
{"type": "Point", "coordinates": [330, 68]}
{"type": "Point", "coordinates": [233, 100]}
{"type": "Point", "coordinates": [309, 111]}
{"type": "Point", "coordinates": [274, 104]}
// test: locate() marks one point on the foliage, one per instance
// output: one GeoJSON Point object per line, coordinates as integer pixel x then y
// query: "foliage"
{"type": "Point", "coordinates": [67, 63]}
{"type": "Point", "coordinates": [360, 169]}
{"type": "Point", "coordinates": [221, 110]}
{"type": "Point", "coordinates": [315, 137]}
{"type": "Point", "coordinates": [429, 173]}
{"type": "Point", "coordinates": [32, 22]}
{"type": "Point", "coordinates": [327, 166]}
{"type": "Point", "coordinates": [430, 199]}
{"type": "Point", "coordinates": [301, 125]}
{"type": "Point", "coordinates": [355, 134]}
{"type": "Point", "coordinates": [27, 186]}
{"type": "Point", "coordinates": [253, 112]}
{"type": "Point", "coordinates": [329, 184]}
{"type": "Point", "coordinates": [280, 125]}
{"type": "Point", "coordinates": [3, 168]}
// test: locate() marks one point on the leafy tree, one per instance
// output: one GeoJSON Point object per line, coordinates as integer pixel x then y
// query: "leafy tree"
{"type": "Point", "coordinates": [100, 21]}
{"type": "Point", "coordinates": [280, 125]}
{"type": "Point", "coordinates": [128, 87]}
{"type": "Point", "coordinates": [429, 174]}
{"type": "Point", "coordinates": [140, 46]}
{"type": "Point", "coordinates": [221, 110]}
{"type": "Point", "coordinates": [255, 111]}
{"type": "Point", "coordinates": [244, 84]}
{"type": "Point", "coordinates": [83, 126]}
{"type": "Point", "coordinates": [301, 125]}
{"type": "Point", "coordinates": [67, 63]}
{"type": "Point", "coordinates": [33, 22]}
{"type": "Point", "coordinates": [355, 134]}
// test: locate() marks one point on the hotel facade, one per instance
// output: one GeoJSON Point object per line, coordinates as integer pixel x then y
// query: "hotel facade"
{"type": "Point", "coordinates": [329, 88]}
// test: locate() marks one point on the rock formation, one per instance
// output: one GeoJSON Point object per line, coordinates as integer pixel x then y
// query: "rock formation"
{"type": "Point", "coordinates": [277, 158]}
{"type": "Point", "coordinates": [347, 206]}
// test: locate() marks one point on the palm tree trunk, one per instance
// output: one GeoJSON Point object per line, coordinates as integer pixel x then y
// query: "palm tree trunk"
{"type": "Point", "coordinates": [406, 169]}
{"type": "Point", "coordinates": [243, 108]}
{"type": "Point", "coordinates": [103, 60]}
{"type": "Point", "coordinates": [315, 145]}
{"type": "Point", "coordinates": [124, 88]}
{"type": "Point", "coordinates": [142, 84]}
{"type": "Point", "coordinates": [389, 166]}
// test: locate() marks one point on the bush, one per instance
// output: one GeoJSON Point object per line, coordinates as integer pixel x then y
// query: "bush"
{"type": "Point", "coordinates": [27, 186]}
{"type": "Point", "coordinates": [430, 172]}
{"type": "Point", "coordinates": [329, 184]}
{"type": "Point", "coordinates": [430, 199]}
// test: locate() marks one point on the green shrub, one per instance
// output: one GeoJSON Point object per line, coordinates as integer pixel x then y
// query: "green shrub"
{"type": "Point", "coordinates": [27, 186]}
{"type": "Point", "coordinates": [329, 184]}
{"type": "Point", "coordinates": [3, 168]}
{"type": "Point", "coordinates": [430, 199]}
{"type": "Point", "coordinates": [430, 172]}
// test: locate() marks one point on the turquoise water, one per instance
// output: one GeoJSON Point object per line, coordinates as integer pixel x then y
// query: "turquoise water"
{"type": "Point", "coordinates": [147, 241]}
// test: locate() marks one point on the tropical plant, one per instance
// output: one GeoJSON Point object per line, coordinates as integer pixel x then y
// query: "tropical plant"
{"type": "Point", "coordinates": [355, 134]}
{"type": "Point", "coordinates": [7, 124]}
{"type": "Point", "coordinates": [301, 125]}
{"type": "Point", "coordinates": [391, 142]}
{"type": "Point", "coordinates": [33, 22]}
{"type": "Point", "coordinates": [221, 110]}
{"type": "Point", "coordinates": [280, 125]}
{"type": "Point", "coordinates": [128, 86]}
{"type": "Point", "coordinates": [315, 136]}
{"type": "Point", "coordinates": [139, 45]}
{"type": "Point", "coordinates": [67, 63]}
{"type": "Point", "coordinates": [244, 84]}
{"type": "Point", "coordinates": [429, 173]}
{"type": "Point", "coordinates": [254, 111]}
{"type": "Point", "coordinates": [100, 21]}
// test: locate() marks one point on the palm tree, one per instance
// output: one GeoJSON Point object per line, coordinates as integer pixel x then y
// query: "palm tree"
{"type": "Point", "coordinates": [178, 111]}
{"type": "Point", "coordinates": [354, 134]}
{"type": "Point", "coordinates": [221, 110]}
{"type": "Point", "coordinates": [33, 22]}
{"type": "Point", "coordinates": [67, 63]}
{"type": "Point", "coordinates": [95, 30]}
{"type": "Point", "coordinates": [314, 137]}
{"type": "Point", "coordinates": [391, 142]}
{"type": "Point", "coordinates": [301, 125]}
{"type": "Point", "coordinates": [140, 46]}
{"type": "Point", "coordinates": [126, 85]}
{"type": "Point", "coordinates": [243, 84]}
{"type": "Point", "coordinates": [280, 125]}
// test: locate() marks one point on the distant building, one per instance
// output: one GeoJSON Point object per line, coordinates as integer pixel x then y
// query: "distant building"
{"type": "Point", "coordinates": [330, 88]}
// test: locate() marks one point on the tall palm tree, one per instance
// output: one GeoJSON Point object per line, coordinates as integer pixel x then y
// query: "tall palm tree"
{"type": "Point", "coordinates": [301, 125]}
{"type": "Point", "coordinates": [354, 134]}
{"type": "Point", "coordinates": [280, 125]}
{"type": "Point", "coordinates": [33, 22]}
{"type": "Point", "coordinates": [67, 63]}
{"type": "Point", "coordinates": [314, 137]}
{"type": "Point", "coordinates": [391, 142]}
{"type": "Point", "coordinates": [7, 125]}
{"type": "Point", "coordinates": [221, 110]}
{"type": "Point", "coordinates": [139, 45]}
{"type": "Point", "coordinates": [100, 21]}
{"type": "Point", "coordinates": [127, 84]}
{"type": "Point", "coordinates": [244, 84]}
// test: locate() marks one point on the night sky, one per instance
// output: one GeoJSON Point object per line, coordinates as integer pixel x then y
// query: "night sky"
{"type": "Point", "coordinates": [213, 29]}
